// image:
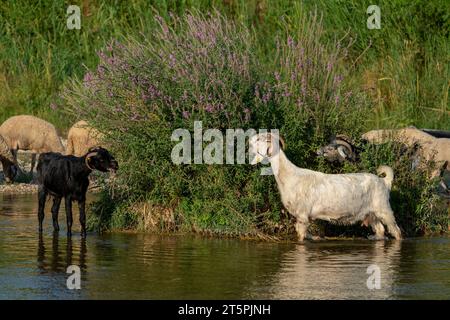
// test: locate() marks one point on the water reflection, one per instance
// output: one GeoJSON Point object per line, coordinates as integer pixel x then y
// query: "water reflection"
{"type": "Point", "coordinates": [58, 259]}
{"type": "Point", "coordinates": [333, 270]}
{"type": "Point", "coordinates": [142, 266]}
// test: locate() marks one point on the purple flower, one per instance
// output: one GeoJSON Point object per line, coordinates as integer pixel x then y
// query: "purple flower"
{"type": "Point", "coordinates": [87, 77]}
{"type": "Point", "coordinates": [303, 87]}
{"type": "Point", "coordinates": [186, 114]}
{"type": "Point", "coordinates": [53, 106]}
{"type": "Point", "coordinates": [290, 41]}
{"type": "Point", "coordinates": [101, 55]}
{"type": "Point", "coordinates": [277, 75]}
{"type": "Point", "coordinates": [317, 97]}
{"type": "Point", "coordinates": [209, 108]}
{"type": "Point", "coordinates": [336, 99]}
{"type": "Point", "coordinates": [329, 66]}
{"type": "Point", "coordinates": [112, 61]}
{"type": "Point", "coordinates": [266, 97]}
{"type": "Point", "coordinates": [101, 71]}
{"type": "Point", "coordinates": [337, 79]}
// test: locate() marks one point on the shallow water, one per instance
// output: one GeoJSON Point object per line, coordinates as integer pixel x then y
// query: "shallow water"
{"type": "Point", "coordinates": [138, 266]}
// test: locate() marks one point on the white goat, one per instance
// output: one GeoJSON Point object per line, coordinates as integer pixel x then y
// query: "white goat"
{"type": "Point", "coordinates": [340, 198]}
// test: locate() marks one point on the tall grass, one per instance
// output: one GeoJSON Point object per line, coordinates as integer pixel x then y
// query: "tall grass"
{"type": "Point", "coordinates": [405, 65]}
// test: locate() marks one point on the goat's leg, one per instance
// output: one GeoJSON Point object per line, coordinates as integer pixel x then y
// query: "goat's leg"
{"type": "Point", "coordinates": [15, 161]}
{"type": "Point", "coordinates": [42, 196]}
{"type": "Point", "coordinates": [69, 218]}
{"type": "Point", "coordinates": [55, 210]}
{"type": "Point", "coordinates": [14, 154]}
{"type": "Point", "coordinates": [378, 228]}
{"type": "Point", "coordinates": [388, 219]}
{"type": "Point", "coordinates": [301, 226]}
{"type": "Point", "coordinates": [82, 207]}
{"type": "Point", "coordinates": [33, 163]}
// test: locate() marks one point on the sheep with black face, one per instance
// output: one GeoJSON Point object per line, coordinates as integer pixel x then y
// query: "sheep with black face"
{"type": "Point", "coordinates": [68, 177]}
{"type": "Point", "coordinates": [340, 149]}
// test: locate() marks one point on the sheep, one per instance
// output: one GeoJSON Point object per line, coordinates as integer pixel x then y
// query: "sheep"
{"type": "Point", "coordinates": [25, 132]}
{"type": "Point", "coordinates": [417, 143]}
{"type": "Point", "coordinates": [431, 148]}
{"type": "Point", "coordinates": [340, 149]}
{"type": "Point", "coordinates": [7, 160]}
{"type": "Point", "coordinates": [340, 198]}
{"type": "Point", "coordinates": [81, 138]}
{"type": "Point", "coordinates": [68, 176]}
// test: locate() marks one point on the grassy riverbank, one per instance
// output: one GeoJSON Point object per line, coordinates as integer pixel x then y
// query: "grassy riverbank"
{"type": "Point", "coordinates": [405, 65]}
{"type": "Point", "coordinates": [309, 68]}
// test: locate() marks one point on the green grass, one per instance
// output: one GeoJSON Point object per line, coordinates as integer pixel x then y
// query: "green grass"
{"type": "Point", "coordinates": [406, 66]}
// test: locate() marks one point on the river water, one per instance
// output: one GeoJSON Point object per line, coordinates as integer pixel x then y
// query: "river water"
{"type": "Point", "coordinates": [141, 266]}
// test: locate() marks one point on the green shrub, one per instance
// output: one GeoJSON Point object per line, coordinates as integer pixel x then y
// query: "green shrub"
{"type": "Point", "coordinates": [205, 68]}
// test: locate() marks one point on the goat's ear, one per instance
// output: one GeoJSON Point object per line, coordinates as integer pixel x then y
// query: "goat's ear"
{"type": "Point", "coordinates": [273, 142]}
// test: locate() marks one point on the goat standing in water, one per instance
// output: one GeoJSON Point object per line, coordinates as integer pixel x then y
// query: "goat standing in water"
{"type": "Point", "coordinates": [343, 198]}
{"type": "Point", "coordinates": [68, 176]}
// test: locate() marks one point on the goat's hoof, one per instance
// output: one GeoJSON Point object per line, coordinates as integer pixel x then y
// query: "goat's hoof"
{"type": "Point", "coordinates": [313, 238]}
{"type": "Point", "coordinates": [377, 238]}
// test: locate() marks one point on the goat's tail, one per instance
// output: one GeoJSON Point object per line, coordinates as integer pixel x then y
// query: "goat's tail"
{"type": "Point", "coordinates": [387, 174]}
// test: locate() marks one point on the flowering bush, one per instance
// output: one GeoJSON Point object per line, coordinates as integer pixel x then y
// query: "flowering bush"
{"type": "Point", "coordinates": [206, 68]}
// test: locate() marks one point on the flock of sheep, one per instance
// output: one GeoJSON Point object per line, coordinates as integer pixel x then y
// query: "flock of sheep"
{"type": "Point", "coordinates": [427, 145]}
{"type": "Point", "coordinates": [61, 172]}
{"type": "Point", "coordinates": [307, 194]}
{"type": "Point", "coordinates": [25, 132]}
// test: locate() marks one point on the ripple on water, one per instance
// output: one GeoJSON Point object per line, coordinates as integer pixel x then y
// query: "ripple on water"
{"type": "Point", "coordinates": [189, 267]}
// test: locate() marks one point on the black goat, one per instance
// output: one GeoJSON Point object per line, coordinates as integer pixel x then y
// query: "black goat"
{"type": "Point", "coordinates": [68, 176]}
{"type": "Point", "coordinates": [9, 169]}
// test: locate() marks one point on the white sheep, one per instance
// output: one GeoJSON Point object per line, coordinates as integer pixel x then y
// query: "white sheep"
{"type": "Point", "coordinates": [30, 133]}
{"type": "Point", "coordinates": [81, 138]}
{"type": "Point", "coordinates": [432, 148]}
{"type": "Point", "coordinates": [340, 198]}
